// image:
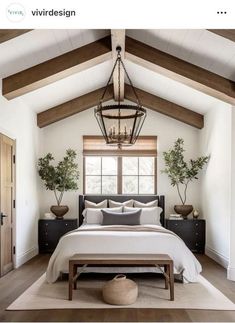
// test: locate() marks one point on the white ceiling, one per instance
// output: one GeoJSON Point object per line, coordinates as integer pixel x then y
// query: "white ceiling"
{"type": "Point", "coordinates": [68, 88]}
{"type": "Point", "coordinates": [41, 45]}
{"type": "Point", "coordinates": [199, 47]}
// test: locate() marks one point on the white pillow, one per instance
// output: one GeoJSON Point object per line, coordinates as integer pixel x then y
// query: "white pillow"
{"type": "Point", "coordinates": [149, 204]}
{"type": "Point", "coordinates": [150, 215]}
{"type": "Point", "coordinates": [95, 216]}
{"type": "Point", "coordinates": [128, 203]}
{"type": "Point", "coordinates": [89, 204]}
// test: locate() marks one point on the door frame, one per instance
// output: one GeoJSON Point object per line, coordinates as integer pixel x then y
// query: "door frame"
{"type": "Point", "coordinates": [14, 206]}
{"type": "Point", "coordinates": [13, 198]}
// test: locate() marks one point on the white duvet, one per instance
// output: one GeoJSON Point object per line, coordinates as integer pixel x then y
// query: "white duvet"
{"type": "Point", "coordinates": [141, 239]}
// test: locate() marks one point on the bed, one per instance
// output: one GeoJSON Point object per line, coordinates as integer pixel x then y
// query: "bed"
{"type": "Point", "coordinates": [111, 239]}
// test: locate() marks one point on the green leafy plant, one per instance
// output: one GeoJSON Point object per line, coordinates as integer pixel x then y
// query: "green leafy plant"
{"type": "Point", "coordinates": [60, 178]}
{"type": "Point", "coordinates": [179, 171]}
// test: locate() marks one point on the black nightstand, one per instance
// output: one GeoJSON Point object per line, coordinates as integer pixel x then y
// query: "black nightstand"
{"type": "Point", "coordinates": [191, 231]}
{"type": "Point", "coordinates": [50, 232]}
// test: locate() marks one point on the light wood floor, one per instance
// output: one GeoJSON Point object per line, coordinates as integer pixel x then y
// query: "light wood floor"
{"type": "Point", "coordinates": [17, 281]}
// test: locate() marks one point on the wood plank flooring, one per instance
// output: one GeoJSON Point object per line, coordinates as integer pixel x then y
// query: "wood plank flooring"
{"type": "Point", "coordinates": [13, 284]}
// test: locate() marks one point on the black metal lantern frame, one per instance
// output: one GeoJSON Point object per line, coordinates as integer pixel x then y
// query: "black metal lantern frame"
{"type": "Point", "coordinates": [120, 123]}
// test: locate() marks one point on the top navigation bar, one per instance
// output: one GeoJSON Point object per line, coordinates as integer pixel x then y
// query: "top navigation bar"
{"type": "Point", "coordinates": [126, 14]}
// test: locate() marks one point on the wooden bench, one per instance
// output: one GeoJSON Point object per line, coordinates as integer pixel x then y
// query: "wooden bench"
{"type": "Point", "coordinates": [157, 260]}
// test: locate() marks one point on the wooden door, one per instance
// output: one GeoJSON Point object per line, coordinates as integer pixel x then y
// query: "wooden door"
{"type": "Point", "coordinates": [7, 191]}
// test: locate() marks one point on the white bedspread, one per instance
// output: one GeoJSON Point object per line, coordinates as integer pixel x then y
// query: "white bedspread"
{"type": "Point", "coordinates": [142, 239]}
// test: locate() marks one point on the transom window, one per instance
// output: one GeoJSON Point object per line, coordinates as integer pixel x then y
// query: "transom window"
{"type": "Point", "coordinates": [115, 171]}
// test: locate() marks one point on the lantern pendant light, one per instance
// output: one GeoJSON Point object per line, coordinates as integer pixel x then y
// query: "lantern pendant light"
{"type": "Point", "coordinates": [120, 123]}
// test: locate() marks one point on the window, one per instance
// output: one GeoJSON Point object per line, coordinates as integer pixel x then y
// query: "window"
{"type": "Point", "coordinates": [138, 175]}
{"type": "Point", "coordinates": [108, 170]}
{"type": "Point", "coordinates": [101, 175]}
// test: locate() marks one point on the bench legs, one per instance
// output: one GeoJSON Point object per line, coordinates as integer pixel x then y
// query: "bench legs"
{"type": "Point", "coordinates": [169, 278]}
{"type": "Point", "coordinates": [73, 276]}
{"type": "Point", "coordinates": [72, 280]}
{"type": "Point", "coordinates": [168, 274]}
{"type": "Point", "coordinates": [71, 270]}
{"type": "Point", "coordinates": [166, 270]}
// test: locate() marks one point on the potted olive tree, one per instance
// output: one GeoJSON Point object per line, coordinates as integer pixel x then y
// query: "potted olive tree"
{"type": "Point", "coordinates": [59, 178]}
{"type": "Point", "coordinates": [181, 173]}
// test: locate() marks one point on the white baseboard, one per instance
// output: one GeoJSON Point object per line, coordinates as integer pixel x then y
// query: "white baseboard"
{"type": "Point", "coordinates": [26, 256]}
{"type": "Point", "coordinates": [231, 273]}
{"type": "Point", "coordinates": [216, 256]}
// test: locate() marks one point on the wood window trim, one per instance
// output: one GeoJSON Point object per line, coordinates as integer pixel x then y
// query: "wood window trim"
{"type": "Point", "coordinates": [96, 146]}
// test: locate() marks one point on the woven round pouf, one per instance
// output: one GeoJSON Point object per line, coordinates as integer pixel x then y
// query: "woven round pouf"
{"type": "Point", "coordinates": [120, 291]}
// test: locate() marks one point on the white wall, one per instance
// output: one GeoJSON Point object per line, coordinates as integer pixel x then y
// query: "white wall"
{"type": "Point", "coordinates": [231, 267]}
{"type": "Point", "coordinates": [68, 133]}
{"type": "Point", "coordinates": [19, 122]}
{"type": "Point", "coordinates": [215, 141]}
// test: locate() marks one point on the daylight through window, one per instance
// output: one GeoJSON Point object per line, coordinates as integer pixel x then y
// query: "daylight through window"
{"type": "Point", "coordinates": [108, 170]}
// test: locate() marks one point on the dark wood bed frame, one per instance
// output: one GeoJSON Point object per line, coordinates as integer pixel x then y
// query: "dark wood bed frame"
{"type": "Point", "coordinates": [122, 198]}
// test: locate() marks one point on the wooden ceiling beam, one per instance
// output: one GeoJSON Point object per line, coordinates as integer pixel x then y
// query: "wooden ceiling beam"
{"type": "Point", "coordinates": [57, 68]}
{"type": "Point", "coordinates": [72, 107]}
{"type": "Point", "coordinates": [148, 100]}
{"type": "Point", "coordinates": [181, 71]}
{"type": "Point", "coordinates": [7, 34]}
{"type": "Point", "coordinates": [118, 39]}
{"type": "Point", "coordinates": [165, 107]}
{"type": "Point", "coordinates": [225, 33]}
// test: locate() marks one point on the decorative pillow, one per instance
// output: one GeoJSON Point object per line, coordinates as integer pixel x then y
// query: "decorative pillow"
{"type": "Point", "coordinates": [101, 205]}
{"type": "Point", "coordinates": [150, 215]}
{"type": "Point", "coordinates": [95, 216]}
{"type": "Point", "coordinates": [149, 204]}
{"type": "Point", "coordinates": [128, 218]}
{"type": "Point", "coordinates": [128, 203]}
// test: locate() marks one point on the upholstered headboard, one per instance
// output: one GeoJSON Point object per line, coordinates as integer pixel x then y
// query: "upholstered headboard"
{"type": "Point", "coordinates": [121, 198]}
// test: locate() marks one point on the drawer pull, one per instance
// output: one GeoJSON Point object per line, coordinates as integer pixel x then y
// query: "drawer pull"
{"type": "Point", "coordinates": [66, 224]}
{"type": "Point", "coordinates": [46, 244]}
{"type": "Point", "coordinates": [176, 224]}
{"type": "Point", "coordinates": [196, 244]}
{"type": "Point", "coordinates": [196, 224]}
{"type": "Point", "coordinates": [196, 233]}
{"type": "Point", "coordinates": [46, 224]}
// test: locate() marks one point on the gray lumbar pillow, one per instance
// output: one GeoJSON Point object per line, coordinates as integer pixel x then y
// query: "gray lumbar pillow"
{"type": "Point", "coordinates": [127, 218]}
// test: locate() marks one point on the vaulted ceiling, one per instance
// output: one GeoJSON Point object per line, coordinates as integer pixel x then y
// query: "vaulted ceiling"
{"type": "Point", "coordinates": [180, 73]}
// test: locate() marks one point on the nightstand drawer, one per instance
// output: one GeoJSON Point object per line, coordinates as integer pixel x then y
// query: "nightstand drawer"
{"type": "Point", "coordinates": [191, 231]}
{"type": "Point", "coordinates": [46, 246]}
{"type": "Point", "coordinates": [50, 232]}
{"type": "Point", "coordinates": [198, 247]}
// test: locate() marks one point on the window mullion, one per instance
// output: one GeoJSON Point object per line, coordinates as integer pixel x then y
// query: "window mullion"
{"type": "Point", "coordinates": [101, 175]}
{"type": "Point", "coordinates": [155, 175]}
{"type": "Point", "coordinates": [138, 176]}
{"type": "Point", "coordinates": [119, 175]}
{"type": "Point", "coordinates": [84, 175]}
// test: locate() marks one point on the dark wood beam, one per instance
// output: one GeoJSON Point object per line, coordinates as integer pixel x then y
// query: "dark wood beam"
{"type": "Point", "coordinates": [225, 33]}
{"type": "Point", "coordinates": [118, 39]}
{"type": "Point", "coordinates": [72, 107]}
{"type": "Point", "coordinates": [181, 71]}
{"type": "Point", "coordinates": [148, 100]}
{"type": "Point", "coordinates": [57, 68]}
{"type": "Point", "coordinates": [165, 107]}
{"type": "Point", "coordinates": [7, 34]}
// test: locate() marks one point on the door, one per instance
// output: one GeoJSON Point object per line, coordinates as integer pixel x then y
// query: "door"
{"type": "Point", "coordinates": [7, 192]}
